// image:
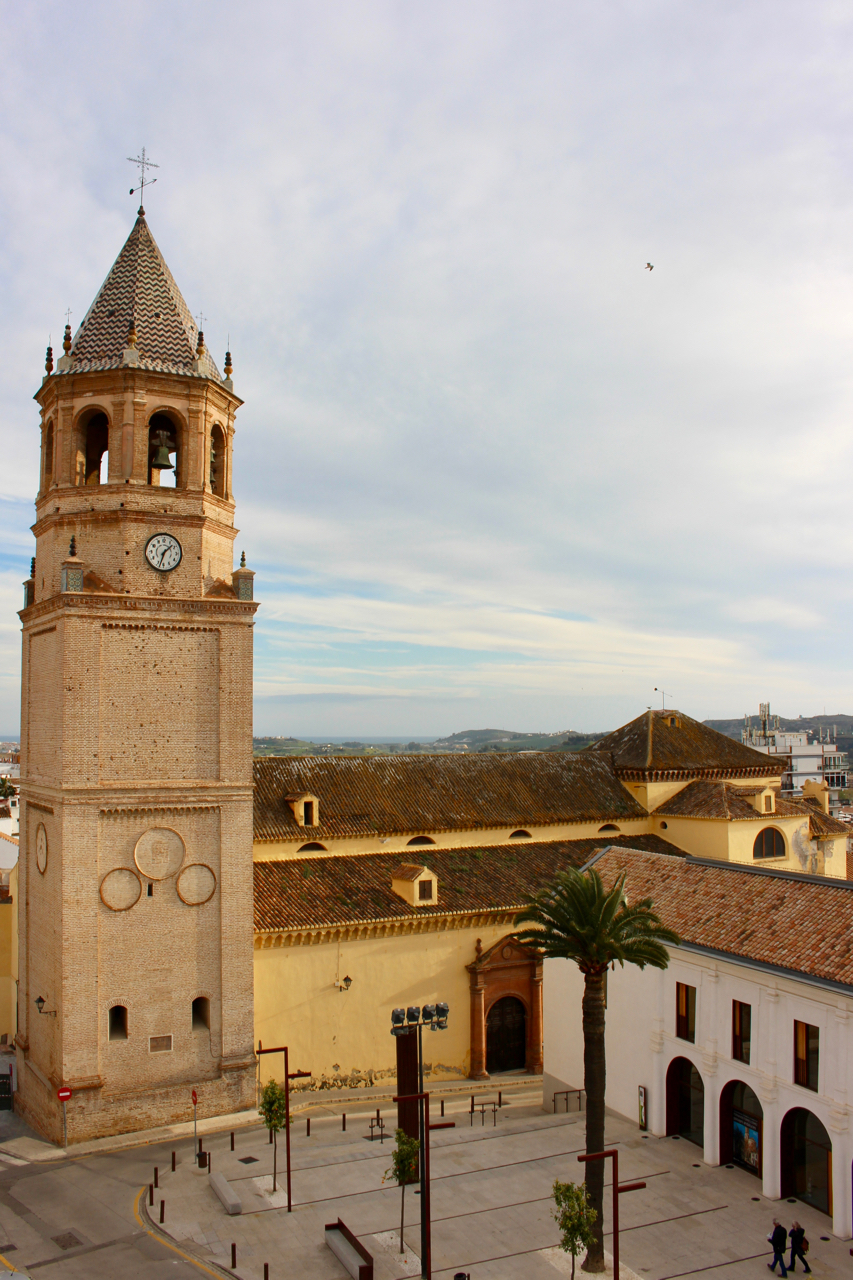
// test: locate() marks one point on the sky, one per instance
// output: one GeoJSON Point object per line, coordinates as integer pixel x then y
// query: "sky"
{"type": "Point", "coordinates": [490, 470]}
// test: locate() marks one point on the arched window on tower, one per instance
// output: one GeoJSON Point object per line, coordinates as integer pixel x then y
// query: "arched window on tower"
{"type": "Point", "coordinates": [217, 461]}
{"type": "Point", "coordinates": [48, 456]}
{"type": "Point", "coordinates": [165, 455]}
{"type": "Point", "coordinates": [93, 441]}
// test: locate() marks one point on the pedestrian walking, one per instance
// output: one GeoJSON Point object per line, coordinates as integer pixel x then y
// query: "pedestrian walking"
{"type": "Point", "coordinates": [799, 1247]}
{"type": "Point", "coordinates": [778, 1239]}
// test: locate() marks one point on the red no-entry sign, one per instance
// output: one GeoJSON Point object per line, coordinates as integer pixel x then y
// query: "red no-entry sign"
{"type": "Point", "coordinates": [63, 1094]}
{"type": "Point", "coordinates": [195, 1098]}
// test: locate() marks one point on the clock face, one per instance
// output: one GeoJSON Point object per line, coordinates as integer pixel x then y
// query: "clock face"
{"type": "Point", "coordinates": [41, 848]}
{"type": "Point", "coordinates": [163, 552]}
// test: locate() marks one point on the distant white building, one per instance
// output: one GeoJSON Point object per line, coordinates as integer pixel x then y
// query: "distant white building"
{"type": "Point", "coordinates": [744, 1045]}
{"type": "Point", "coordinates": [816, 761]}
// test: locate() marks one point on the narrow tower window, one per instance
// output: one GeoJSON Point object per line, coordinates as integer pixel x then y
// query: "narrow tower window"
{"type": "Point", "coordinates": [48, 455]}
{"type": "Point", "coordinates": [118, 1022]}
{"type": "Point", "coordinates": [217, 461]}
{"type": "Point", "coordinates": [201, 1013]}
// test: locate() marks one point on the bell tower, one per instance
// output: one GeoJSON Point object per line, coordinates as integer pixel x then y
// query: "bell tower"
{"type": "Point", "coordinates": [135, 875]}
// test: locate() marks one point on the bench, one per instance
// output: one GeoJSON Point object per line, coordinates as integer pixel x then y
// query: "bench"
{"type": "Point", "coordinates": [226, 1193]}
{"type": "Point", "coordinates": [349, 1250]}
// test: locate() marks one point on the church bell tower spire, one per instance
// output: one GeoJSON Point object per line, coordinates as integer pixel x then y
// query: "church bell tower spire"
{"type": "Point", "coordinates": [135, 888]}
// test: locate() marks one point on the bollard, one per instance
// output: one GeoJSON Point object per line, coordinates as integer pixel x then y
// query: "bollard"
{"type": "Point", "coordinates": [442, 1108]}
{"type": "Point", "coordinates": [500, 1098]}
{"type": "Point", "coordinates": [174, 1154]}
{"type": "Point", "coordinates": [162, 1210]}
{"type": "Point", "coordinates": [233, 1256]}
{"type": "Point", "coordinates": [232, 1140]}
{"type": "Point", "coordinates": [156, 1183]}
{"type": "Point", "coordinates": [344, 1122]}
{"type": "Point", "coordinates": [472, 1104]}
{"type": "Point", "coordinates": [308, 1127]}
{"type": "Point", "coordinates": [270, 1137]}
{"type": "Point", "coordinates": [150, 1192]}
{"type": "Point", "coordinates": [266, 1271]}
{"type": "Point", "coordinates": [209, 1161]}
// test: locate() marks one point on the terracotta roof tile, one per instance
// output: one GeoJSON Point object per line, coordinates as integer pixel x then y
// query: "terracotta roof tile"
{"type": "Point", "coordinates": [302, 893]}
{"type": "Point", "coordinates": [671, 743]}
{"type": "Point", "coordinates": [140, 287]}
{"type": "Point", "coordinates": [804, 924]}
{"type": "Point", "coordinates": [702, 799]}
{"type": "Point", "coordinates": [373, 795]}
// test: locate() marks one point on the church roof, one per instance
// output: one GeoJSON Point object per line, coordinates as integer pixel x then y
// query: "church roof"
{"type": "Point", "coordinates": [139, 288]}
{"type": "Point", "coordinates": [757, 914]}
{"type": "Point", "coordinates": [384, 795]}
{"type": "Point", "coordinates": [324, 892]}
{"type": "Point", "coordinates": [662, 745]}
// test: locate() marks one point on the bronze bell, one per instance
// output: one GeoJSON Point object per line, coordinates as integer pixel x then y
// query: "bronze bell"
{"type": "Point", "coordinates": [160, 461]}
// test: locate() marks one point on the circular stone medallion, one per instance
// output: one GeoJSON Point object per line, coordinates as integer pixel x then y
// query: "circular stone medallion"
{"type": "Point", "coordinates": [41, 848]}
{"type": "Point", "coordinates": [159, 853]}
{"type": "Point", "coordinates": [196, 884]}
{"type": "Point", "coordinates": [120, 889]}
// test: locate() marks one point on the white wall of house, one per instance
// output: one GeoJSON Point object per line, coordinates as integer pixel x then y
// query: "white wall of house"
{"type": "Point", "coordinates": [641, 1044]}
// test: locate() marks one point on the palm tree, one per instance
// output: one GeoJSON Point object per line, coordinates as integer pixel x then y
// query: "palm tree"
{"type": "Point", "coordinates": [577, 918]}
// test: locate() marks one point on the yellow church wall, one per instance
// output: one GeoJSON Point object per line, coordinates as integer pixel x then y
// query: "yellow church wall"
{"type": "Point", "coordinates": [346, 1035]}
{"type": "Point", "coordinates": [282, 851]}
{"type": "Point", "coordinates": [734, 841]}
{"type": "Point", "coordinates": [652, 794]}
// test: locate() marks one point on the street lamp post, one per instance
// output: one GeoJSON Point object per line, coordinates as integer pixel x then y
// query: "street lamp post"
{"type": "Point", "coordinates": [405, 1022]}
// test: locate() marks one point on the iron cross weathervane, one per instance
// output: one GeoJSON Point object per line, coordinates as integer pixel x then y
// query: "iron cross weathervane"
{"type": "Point", "coordinates": [144, 163]}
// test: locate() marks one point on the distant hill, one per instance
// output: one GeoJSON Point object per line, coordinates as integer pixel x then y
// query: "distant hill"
{"type": "Point", "coordinates": [480, 740]}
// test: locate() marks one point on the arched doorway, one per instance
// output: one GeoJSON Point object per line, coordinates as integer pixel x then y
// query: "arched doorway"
{"type": "Point", "coordinates": [685, 1101]}
{"type": "Point", "coordinates": [741, 1121]}
{"type": "Point", "coordinates": [506, 1036]}
{"type": "Point", "coordinates": [806, 1157]}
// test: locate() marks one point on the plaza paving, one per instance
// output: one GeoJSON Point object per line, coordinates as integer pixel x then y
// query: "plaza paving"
{"type": "Point", "coordinates": [491, 1204]}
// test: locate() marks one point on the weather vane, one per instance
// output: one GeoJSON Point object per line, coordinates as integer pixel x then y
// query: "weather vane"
{"type": "Point", "coordinates": [144, 163]}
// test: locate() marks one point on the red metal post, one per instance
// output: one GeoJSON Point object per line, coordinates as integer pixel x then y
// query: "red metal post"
{"type": "Point", "coordinates": [618, 1189]}
{"type": "Point", "coordinates": [287, 1124]}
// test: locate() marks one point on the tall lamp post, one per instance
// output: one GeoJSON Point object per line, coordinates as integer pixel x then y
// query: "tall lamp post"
{"type": "Point", "coordinates": [405, 1022]}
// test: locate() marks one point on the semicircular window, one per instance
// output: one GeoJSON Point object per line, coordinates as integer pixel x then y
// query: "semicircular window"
{"type": "Point", "coordinates": [769, 843]}
{"type": "Point", "coordinates": [609, 826]}
{"type": "Point", "coordinates": [313, 846]}
{"type": "Point", "coordinates": [520, 835]}
{"type": "Point", "coordinates": [421, 840]}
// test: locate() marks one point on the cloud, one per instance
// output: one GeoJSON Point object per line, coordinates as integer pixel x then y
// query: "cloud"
{"type": "Point", "coordinates": [476, 429]}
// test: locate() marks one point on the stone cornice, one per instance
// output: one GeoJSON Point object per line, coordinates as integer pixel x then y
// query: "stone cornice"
{"type": "Point", "coordinates": [776, 766]}
{"type": "Point", "coordinates": [126, 380]}
{"type": "Point", "coordinates": [142, 606]}
{"type": "Point", "coordinates": [70, 517]}
{"type": "Point", "coordinates": [356, 932]}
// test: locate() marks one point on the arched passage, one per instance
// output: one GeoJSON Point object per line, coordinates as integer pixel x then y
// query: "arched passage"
{"type": "Point", "coordinates": [506, 1036]}
{"type": "Point", "coordinates": [741, 1122]}
{"type": "Point", "coordinates": [806, 1159]}
{"type": "Point", "coordinates": [685, 1101]}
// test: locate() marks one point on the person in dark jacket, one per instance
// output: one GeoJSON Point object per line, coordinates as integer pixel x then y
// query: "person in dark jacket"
{"type": "Point", "coordinates": [797, 1235]}
{"type": "Point", "coordinates": [778, 1239]}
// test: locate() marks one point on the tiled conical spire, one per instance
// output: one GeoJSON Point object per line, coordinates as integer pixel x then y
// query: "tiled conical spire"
{"type": "Point", "coordinates": [140, 288]}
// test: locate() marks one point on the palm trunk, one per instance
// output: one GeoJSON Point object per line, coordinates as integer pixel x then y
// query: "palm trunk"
{"type": "Point", "coordinates": [402, 1216]}
{"type": "Point", "coordinates": [274, 1157]}
{"type": "Point", "coordinates": [594, 1079]}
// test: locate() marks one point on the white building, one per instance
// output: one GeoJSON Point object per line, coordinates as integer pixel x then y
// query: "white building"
{"type": "Point", "coordinates": [815, 762]}
{"type": "Point", "coordinates": [744, 1045]}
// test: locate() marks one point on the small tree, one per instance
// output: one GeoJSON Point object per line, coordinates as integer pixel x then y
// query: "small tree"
{"type": "Point", "coordinates": [404, 1170]}
{"type": "Point", "coordinates": [273, 1112]}
{"type": "Point", "coordinates": [575, 1217]}
{"type": "Point", "coordinates": [7, 789]}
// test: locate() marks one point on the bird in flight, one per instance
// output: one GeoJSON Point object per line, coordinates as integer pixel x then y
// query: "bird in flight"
{"type": "Point", "coordinates": [649, 267]}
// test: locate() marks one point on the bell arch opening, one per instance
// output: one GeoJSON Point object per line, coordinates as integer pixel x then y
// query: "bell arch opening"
{"type": "Point", "coordinates": [91, 464]}
{"type": "Point", "coordinates": [218, 459]}
{"type": "Point", "coordinates": [165, 452]}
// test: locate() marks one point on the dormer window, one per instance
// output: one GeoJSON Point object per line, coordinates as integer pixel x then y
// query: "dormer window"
{"type": "Point", "coordinates": [416, 885]}
{"type": "Point", "coordinates": [305, 808]}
